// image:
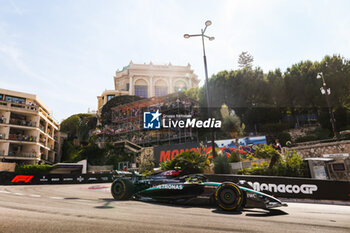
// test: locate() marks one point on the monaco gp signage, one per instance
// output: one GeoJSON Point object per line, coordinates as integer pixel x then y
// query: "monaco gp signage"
{"type": "Point", "coordinates": [292, 187]}
{"type": "Point", "coordinates": [284, 188]}
{"type": "Point", "coordinates": [168, 152]}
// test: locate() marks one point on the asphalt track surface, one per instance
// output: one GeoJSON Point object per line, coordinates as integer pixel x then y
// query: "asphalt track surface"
{"type": "Point", "coordinates": [91, 208]}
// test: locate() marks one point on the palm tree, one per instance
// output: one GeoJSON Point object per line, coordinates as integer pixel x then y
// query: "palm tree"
{"type": "Point", "coordinates": [231, 123]}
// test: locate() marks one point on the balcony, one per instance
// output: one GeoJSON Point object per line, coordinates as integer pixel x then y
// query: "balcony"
{"type": "Point", "coordinates": [22, 122]}
{"type": "Point", "coordinates": [21, 137]}
{"type": "Point", "coordinates": [42, 141]}
{"type": "Point", "coordinates": [19, 106]}
{"type": "Point", "coordinates": [21, 155]}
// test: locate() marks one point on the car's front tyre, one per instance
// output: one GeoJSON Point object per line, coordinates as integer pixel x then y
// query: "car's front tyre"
{"type": "Point", "coordinates": [229, 197]}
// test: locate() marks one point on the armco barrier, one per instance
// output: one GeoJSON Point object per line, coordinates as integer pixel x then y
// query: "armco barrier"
{"type": "Point", "coordinates": [287, 187]}
{"type": "Point", "coordinates": [11, 178]}
{"type": "Point", "coordinates": [291, 187]}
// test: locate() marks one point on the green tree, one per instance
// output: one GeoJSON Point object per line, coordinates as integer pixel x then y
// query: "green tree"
{"type": "Point", "coordinates": [189, 162]}
{"type": "Point", "coordinates": [231, 124]}
{"type": "Point", "coordinates": [245, 60]}
{"type": "Point", "coordinates": [70, 125]}
{"type": "Point", "coordinates": [193, 93]}
{"type": "Point", "coordinates": [69, 151]}
{"type": "Point", "coordinates": [259, 99]}
{"type": "Point", "coordinates": [79, 125]}
{"type": "Point", "coordinates": [336, 71]}
{"type": "Point", "coordinates": [276, 88]}
{"type": "Point", "coordinates": [291, 165]}
{"type": "Point", "coordinates": [221, 165]}
{"type": "Point", "coordinates": [94, 154]}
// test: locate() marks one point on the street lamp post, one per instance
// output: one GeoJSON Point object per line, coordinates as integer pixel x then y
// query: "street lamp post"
{"type": "Point", "coordinates": [327, 91]}
{"type": "Point", "coordinates": [207, 24]}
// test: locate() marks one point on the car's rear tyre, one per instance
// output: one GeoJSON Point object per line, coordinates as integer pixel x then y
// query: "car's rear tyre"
{"type": "Point", "coordinates": [122, 189]}
{"type": "Point", "coordinates": [229, 197]}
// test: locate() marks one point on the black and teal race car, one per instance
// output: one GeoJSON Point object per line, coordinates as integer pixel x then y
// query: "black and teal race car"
{"type": "Point", "coordinates": [171, 186]}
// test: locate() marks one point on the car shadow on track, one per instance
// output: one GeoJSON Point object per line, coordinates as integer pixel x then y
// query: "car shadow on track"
{"type": "Point", "coordinates": [265, 213]}
{"type": "Point", "coordinates": [248, 212]}
{"type": "Point", "coordinates": [253, 213]}
{"type": "Point", "coordinates": [218, 211]}
{"type": "Point", "coordinates": [107, 203]}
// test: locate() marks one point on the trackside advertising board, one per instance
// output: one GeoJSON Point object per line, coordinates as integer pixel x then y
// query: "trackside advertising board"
{"type": "Point", "coordinates": [168, 152]}
{"type": "Point", "coordinates": [12, 178]}
{"type": "Point", "coordinates": [287, 187]}
{"type": "Point", "coordinates": [292, 187]}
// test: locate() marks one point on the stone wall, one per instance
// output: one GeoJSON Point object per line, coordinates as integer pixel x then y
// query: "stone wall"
{"type": "Point", "coordinates": [246, 164]}
{"type": "Point", "coordinates": [318, 150]}
{"type": "Point", "coordinates": [10, 167]}
{"type": "Point", "coordinates": [96, 169]}
{"type": "Point", "coordinates": [301, 132]}
{"type": "Point", "coordinates": [146, 155]}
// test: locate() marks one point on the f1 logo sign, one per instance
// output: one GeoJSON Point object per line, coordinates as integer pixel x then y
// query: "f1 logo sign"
{"type": "Point", "coordinates": [20, 178]}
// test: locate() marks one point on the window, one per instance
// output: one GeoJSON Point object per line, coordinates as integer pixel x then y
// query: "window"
{"type": "Point", "coordinates": [160, 91]}
{"type": "Point", "coordinates": [14, 99]}
{"type": "Point", "coordinates": [160, 88]}
{"type": "Point", "coordinates": [1, 96]}
{"type": "Point", "coordinates": [338, 167]}
{"type": "Point", "coordinates": [109, 97]}
{"type": "Point", "coordinates": [127, 86]}
{"type": "Point", "coordinates": [141, 90]}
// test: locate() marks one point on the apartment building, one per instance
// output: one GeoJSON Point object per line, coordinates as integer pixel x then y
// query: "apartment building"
{"type": "Point", "coordinates": [28, 133]}
{"type": "Point", "coordinates": [149, 80]}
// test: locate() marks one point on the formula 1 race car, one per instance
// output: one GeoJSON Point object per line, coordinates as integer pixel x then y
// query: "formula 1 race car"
{"type": "Point", "coordinates": [169, 186]}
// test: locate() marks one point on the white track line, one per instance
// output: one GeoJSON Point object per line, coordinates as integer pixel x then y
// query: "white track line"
{"type": "Point", "coordinates": [3, 191]}
{"type": "Point", "coordinates": [59, 198]}
{"type": "Point", "coordinates": [34, 195]}
{"type": "Point", "coordinates": [19, 194]}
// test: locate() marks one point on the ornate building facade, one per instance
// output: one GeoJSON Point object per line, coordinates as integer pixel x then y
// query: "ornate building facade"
{"type": "Point", "coordinates": [149, 80]}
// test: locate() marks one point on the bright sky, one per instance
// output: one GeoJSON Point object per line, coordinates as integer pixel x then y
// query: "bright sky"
{"type": "Point", "coordinates": [67, 51]}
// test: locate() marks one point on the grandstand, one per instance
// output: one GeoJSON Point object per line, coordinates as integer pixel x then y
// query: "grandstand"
{"type": "Point", "coordinates": [127, 121]}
